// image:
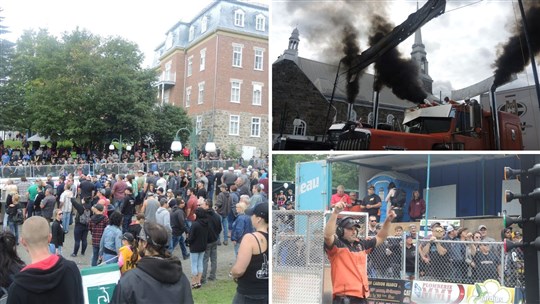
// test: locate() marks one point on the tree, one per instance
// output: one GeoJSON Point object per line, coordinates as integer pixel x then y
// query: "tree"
{"type": "Point", "coordinates": [6, 53]}
{"type": "Point", "coordinates": [167, 120]}
{"type": "Point", "coordinates": [81, 87]}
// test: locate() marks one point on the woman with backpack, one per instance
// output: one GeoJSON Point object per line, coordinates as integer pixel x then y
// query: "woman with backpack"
{"type": "Point", "coordinates": [15, 215]}
{"type": "Point", "coordinates": [80, 233]}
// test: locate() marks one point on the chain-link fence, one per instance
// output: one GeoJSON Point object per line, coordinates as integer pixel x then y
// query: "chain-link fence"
{"type": "Point", "coordinates": [298, 256]}
{"type": "Point", "coordinates": [387, 261]}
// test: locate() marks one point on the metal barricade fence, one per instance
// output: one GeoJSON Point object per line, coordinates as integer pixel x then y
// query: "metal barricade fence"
{"type": "Point", "coordinates": [466, 262]}
{"type": "Point", "coordinates": [298, 256]}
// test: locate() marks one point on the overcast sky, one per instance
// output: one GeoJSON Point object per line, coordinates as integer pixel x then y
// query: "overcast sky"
{"type": "Point", "coordinates": [461, 44]}
{"type": "Point", "coordinates": [142, 22]}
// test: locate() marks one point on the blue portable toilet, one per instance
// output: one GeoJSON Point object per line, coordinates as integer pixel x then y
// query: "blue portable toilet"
{"type": "Point", "coordinates": [402, 181]}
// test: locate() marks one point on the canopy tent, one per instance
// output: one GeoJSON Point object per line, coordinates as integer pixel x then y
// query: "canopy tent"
{"type": "Point", "coordinates": [37, 137]}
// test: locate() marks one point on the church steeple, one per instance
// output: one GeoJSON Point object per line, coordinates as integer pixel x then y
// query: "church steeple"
{"type": "Point", "coordinates": [418, 55]}
{"type": "Point", "coordinates": [291, 53]}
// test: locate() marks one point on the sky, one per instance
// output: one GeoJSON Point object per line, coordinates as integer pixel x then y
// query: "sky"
{"type": "Point", "coordinates": [142, 22]}
{"type": "Point", "coordinates": [461, 44]}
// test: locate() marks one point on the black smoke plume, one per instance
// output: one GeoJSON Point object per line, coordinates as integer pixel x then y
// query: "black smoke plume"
{"type": "Point", "coordinates": [399, 74]}
{"type": "Point", "coordinates": [515, 54]}
{"type": "Point", "coordinates": [351, 50]}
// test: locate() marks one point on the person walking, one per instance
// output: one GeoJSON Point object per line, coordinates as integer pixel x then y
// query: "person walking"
{"type": "Point", "coordinates": [197, 241]}
{"type": "Point", "coordinates": [57, 232]}
{"type": "Point", "coordinates": [241, 226]}
{"type": "Point", "coordinates": [97, 225]}
{"type": "Point", "coordinates": [111, 240]}
{"type": "Point", "coordinates": [82, 219]}
{"type": "Point", "coordinates": [214, 223]}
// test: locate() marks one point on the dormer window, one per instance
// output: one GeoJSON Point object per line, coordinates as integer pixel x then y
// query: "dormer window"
{"type": "Point", "coordinates": [169, 41]}
{"type": "Point", "coordinates": [204, 24]}
{"type": "Point", "coordinates": [191, 32]}
{"type": "Point", "coordinates": [239, 18]}
{"type": "Point", "coordinates": [260, 22]}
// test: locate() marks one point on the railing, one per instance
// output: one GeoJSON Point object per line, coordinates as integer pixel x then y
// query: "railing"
{"type": "Point", "coordinates": [35, 171]}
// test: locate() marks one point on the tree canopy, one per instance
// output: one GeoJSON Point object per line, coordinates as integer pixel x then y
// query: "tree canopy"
{"type": "Point", "coordinates": [85, 88]}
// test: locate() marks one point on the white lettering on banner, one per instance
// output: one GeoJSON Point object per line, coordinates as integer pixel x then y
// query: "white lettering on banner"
{"type": "Point", "coordinates": [309, 185]}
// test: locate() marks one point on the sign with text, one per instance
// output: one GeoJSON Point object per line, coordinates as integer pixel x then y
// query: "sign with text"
{"type": "Point", "coordinates": [489, 291]}
{"type": "Point", "coordinates": [383, 291]}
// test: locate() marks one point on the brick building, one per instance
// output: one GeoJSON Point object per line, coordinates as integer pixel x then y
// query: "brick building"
{"type": "Point", "coordinates": [216, 68]}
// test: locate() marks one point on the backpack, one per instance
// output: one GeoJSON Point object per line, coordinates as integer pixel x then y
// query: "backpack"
{"type": "Point", "coordinates": [84, 218]}
{"type": "Point", "coordinates": [18, 217]}
{"type": "Point", "coordinates": [398, 200]}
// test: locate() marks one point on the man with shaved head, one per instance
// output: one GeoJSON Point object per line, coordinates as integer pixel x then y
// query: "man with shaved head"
{"type": "Point", "coordinates": [49, 277]}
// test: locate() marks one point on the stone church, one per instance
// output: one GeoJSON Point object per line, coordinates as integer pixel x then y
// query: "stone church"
{"type": "Point", "coordinates": [302, 90]}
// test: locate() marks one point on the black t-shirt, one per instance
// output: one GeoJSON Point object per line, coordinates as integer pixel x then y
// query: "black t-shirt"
{"type": "Point", "coordinates": [86, 188]}
{"type": "Point", "coordinates": [486, 265]}
{"type": "Point", "coordinates": [371, 200]}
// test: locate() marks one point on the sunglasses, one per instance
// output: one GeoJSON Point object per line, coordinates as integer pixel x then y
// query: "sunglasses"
{"type": "Point", "coordinates": [438, 230]}
{"type": "Point", "coordinates": [373, 221]}
{"type": "Point", "coordinates": [60, 213]}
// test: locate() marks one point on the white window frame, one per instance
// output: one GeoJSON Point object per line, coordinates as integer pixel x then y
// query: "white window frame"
{"type": "Point", "coordinates": [237, 55]}
{"type": "Point", "coordinates": [260, 22]}
{"type": "Point", "coordinates": [255, 130]}
{"type": "Point", "coordinates": [239, 17]}
{"type": "Point", "coordinates": [191, 33]}
{"type": "Point", "coordinates": [198, 124]}
{"type": "Point", "coordinates": [188, 96]}
{"type": "Point", "coordinates": [234, 125]}
{"type": "Point", "coordinates": [200, 98]}
{"type": "Point", "coordinates": [258, 65]}
{"type": "Point", "coordinates": [236, 90]}
{"type": "Point", "coordinates": [301, 129]}
{"type": "Point", "coordinates": [167, 72]}
{"type": "Point", "coordinates": [166, 96]}
{"type": "Point", "coordinates": [204, 24]}
{"type": "Point", "coordinates": [190, 65]}
{"type": "Point", "coordinates": [257, 87]}
{"type": "Point", "coordinates": [203, 60]}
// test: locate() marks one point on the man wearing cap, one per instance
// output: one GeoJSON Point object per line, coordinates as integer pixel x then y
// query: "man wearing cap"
{"type": "Point", "coordinates": [342, 245]}
{"type": "Point", "coordinates": [149, 208]}
{"type": "Point", "coordinates": [229, 177]}
{"type": "Point", "coordinates": [214, 224]}
{"type": "Point", "coordinates": [372, 203]}
{"type": "Point", "coordinates": [128, 208]}
{"type": "Point", "coordinates": [173, 183]}
{"type": "Point", "coordinates": [86, 188]}
{"type": "Point", "coordinates": [118, 191]}
{"type": "Point", "coordinates": [456, 254]}
{"type": "Point", "coordinates": [483, 231]}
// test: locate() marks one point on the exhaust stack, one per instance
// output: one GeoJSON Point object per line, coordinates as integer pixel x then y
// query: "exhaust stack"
{"type": "Point", "coordinates": [495, 118]}
{"type": "Point", "coordinates": [376, 110]}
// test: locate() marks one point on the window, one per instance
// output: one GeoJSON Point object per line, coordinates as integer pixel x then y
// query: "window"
{"type": "Point", "coordinates": [204, 24]}
{"type": "Point", "coordinates": [255, 127]}
{"type": "Point", "coordinates": [260, 22]}
{"type": "Point", "coordinates": [234, 125]}
{"type": "Point", "coordinates": [166, 95]}
{"type": "Point", "coordinates": [237, 55]}
{"type": "Point", "coordinates": [299, 127]}
{"type": "Point", "coordinates": [370, 118]}
{"type": "Point", "coordinates": [257, 94]}
{"type": "Point", "coordinates": [191, 33]}
{"type": "Point", "coordinates": [188, 96]}
{"type": "Point", "coordinates": [239, 18]}
{"type": "Point", "coordinates": [235, 90]}
{"type": "Point", "coordinates": [203, 60]}
{"type": "Point", "coordinates": [198, 124]}
{"type": "Point", "coordinates": [167, 72]}
{"type": "Point", "coordinates": [189, 65]}
{"type": "Point", "coordinates": [169, 41]}
{"type": "Point", "coordinates": [258, 65]}
{"type": "Point", "coordinates": [200, 100]}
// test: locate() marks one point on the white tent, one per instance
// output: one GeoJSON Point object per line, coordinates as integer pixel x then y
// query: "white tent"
{"type": "Point", "coordinates": [37, 137]}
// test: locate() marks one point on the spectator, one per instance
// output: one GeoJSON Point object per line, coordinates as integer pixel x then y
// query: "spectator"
{"type": "Point", "coordinates": [97, 225]}
{"type": "Point", "coordinates": [158, 277]}
{"type": "Point", "coordinates": [178, 225]}
{"type": "Point", "coordinates": [58, 234]}
{"type": "Point", "coordinates": [149, 208]}
{"type": "Point", "coordinates": [372, 203]}
{"type": "Point", "coordinates": [49, 277]}
{"type": "Point", "coordinates": [128, 208]}
{"type": "Point", "coordinates": [197, 241]}
{"type": "Point", "coordinates": [241, 226]}
{"type": "Point", "coordinates": [10, 262]}
{"type": "Point", "coordinates": [14, 216]}
{"type": "Point", "coordinates": [111, 240]}
{"type": "Point", "coordinates": [437, 257]}
{"type": "Point", "coordinates": [190, 207]}
{"type": "Point", "coordinates": [223, 208]}
{"type": "Point", "coordinates": [47, 207]}
{"type": "Point", "coordinates": [214, 224]}
{"type": "Point", "coordinates": [410, 257]}
{"type": "Point", "coordinates": [251, 267]}
{"type": "Point", "coordinates": [417, 207]}
{"type": "Point", "coordinates": [341, 196]}
{"type": "Point", "coordinates": [80, 233]}
{"type": "Point", "coordinates": [486, 263]}
{"type": "Point", "coordinates": [127, 254]}
{"type": "Point", "coordinates": [136, 225]}
{"type": "Point", "coordinates": [163, 217]}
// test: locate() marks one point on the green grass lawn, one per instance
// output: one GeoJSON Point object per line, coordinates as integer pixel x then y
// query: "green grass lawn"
{"type": "Point", "coordinates": [18, 144]}
{"type": "Point", "coordinates": [220, 291]}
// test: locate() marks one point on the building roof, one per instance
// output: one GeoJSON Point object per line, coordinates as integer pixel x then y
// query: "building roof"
{"type": "Point", "coordinates": [218, 15]}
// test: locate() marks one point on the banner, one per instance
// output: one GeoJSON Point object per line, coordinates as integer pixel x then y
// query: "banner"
{"type": "Point", "coordinates": [383, 291]}
{"type": "Point", "coordinates": [489, 291]}
{"type": "Point", "coordinates": [99, 283]}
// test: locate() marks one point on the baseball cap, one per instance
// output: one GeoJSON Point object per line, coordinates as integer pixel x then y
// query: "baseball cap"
{"type": "Point", "coordinates": [156, 173]}
{"type": "Point", "coordinates": [350, 222]}
{"type": "Point", "coordinates": [450, 228]}
{"type": "Point", "coordinates": [260, 210]}
{"type": "Point", "coordinates": [231, 169]}
{"type": "Point", "coordinates": [140, 171]}
{"type": "Point", "coordinates": [517, 232]}
{"type": "Point", "coordinates": [99, 207]}
{"type": "Point", "coordinates": [408, 235]}
{"type": "Point", "coordinates": [482, 227]}
{"type": "Point", "coordinates": [173, 203]}
{"type": "Point", "coordinates": [128, 237]}
{"type": "Point", "coordinates": [371, 187]}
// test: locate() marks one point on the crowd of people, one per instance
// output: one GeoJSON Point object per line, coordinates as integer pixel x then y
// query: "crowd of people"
{"type": "Point", "coordinates": [137, 221]}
